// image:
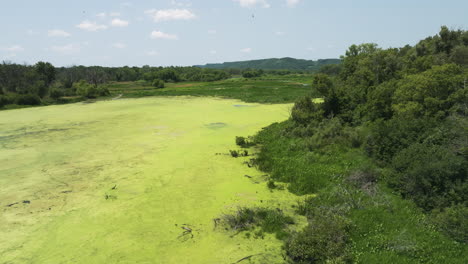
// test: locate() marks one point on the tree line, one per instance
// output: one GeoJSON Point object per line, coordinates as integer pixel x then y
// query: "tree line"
{"type": "Point", "coordinates": [403, 114]}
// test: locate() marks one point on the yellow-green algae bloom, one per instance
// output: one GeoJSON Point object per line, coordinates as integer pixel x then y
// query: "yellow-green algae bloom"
{"type": "Point", "coordinates": [115, 182]}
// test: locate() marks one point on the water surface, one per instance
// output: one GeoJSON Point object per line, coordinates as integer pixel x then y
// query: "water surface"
{"type": "Point", "coordinates": [114, 181]}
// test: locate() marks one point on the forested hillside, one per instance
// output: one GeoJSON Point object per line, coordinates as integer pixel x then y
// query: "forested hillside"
{"type": "Point", "coordinates": [274, 64]}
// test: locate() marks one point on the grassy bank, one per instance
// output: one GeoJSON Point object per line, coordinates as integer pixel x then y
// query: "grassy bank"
{"type": "Point", "coordinates": [353, 216]}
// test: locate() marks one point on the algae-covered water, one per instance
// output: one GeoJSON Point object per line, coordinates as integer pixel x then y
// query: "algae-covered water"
{"type": "Point", "coordinates": [114, 182]}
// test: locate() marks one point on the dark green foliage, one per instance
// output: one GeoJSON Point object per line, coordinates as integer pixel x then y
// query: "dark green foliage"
{"type": "Point", "coordinates": [323, 84]}
{"type": "Point", "coordinates": [331, 69]}
{"type": "Point", "coordinates": [324, 240]}
{"type": "Point", "coordinates": [56, 93]}
{"type": "Point", "coordinates": [386, 154]}
{"type": "Point", "coordinates": [158, 83]}
{"type": "Point", "coordinates": [234, 153]}
{"type": "Point", "coordinates": [7, 99]}
{"type": "Point", "coordinates": [252, 73]}
{"type": "Point", "coordinates": [271, 184]}
{"type": "Point", "coordinates": [453, 221]}
{"type": "Point", "coordinates": [241, 141]}
{"type": "Point", "coordinates": [304, 111]}
{"type": "Point", "coordinates": [387, 138]}
{"type": "Point", "coordinates": [271, 221]}
{"type": "Point", "coordinates": [433, 176]}
{"type": "Point", "coordinates": [244, 142]}
{"type": "Point", "coordinates": [275, 64]}
{"type": "Point", "coordinates": [28, 99]}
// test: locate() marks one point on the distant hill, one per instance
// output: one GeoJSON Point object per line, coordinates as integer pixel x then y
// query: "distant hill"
{"type": "Point", "coordinates": [273, 64]}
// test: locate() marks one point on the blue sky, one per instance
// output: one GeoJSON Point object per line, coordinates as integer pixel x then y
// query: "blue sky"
{"type": "Point", "coordinates": [189, 32]}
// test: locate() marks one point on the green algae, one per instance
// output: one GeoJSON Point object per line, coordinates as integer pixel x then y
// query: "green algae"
{"type": "Point", "coordinates": [115, 182]}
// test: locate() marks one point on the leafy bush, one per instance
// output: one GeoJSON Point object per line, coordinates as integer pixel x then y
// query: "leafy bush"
{"type": "Point", "coordinates": [433, 176]}
{"type": "Point", "coordinates": [56, 93]}
{"type": "Point", "coordinates": [28, 99]}
{"type": "Point", "coordinates": [157, 83]}
{"type": "Point", "coordinates": [305, 111]}
{"type": "Point", "coordinates": [324, 240]}
{"type": "Point", "coordinates": [87, 90]}
{"type": "Point", "coordinates": [234, 153]}
{"type": "Point", "coordinates": [453, 221]}
{"type": "Point", "coordinates": [6, 99]}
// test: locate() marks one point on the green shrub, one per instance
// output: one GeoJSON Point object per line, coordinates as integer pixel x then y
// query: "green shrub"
{"type": "Point", "coordinates": [324, 240]}
{"type": "Point", "coordinates": [56, 93]}
{"type": "Point", "coordinates": [87, 90]}
{"type": "Point", "coordinates": [6, 99]}
{"type": "Point", "coordinates": [234, 153]}
{"type": "Point", "coordinates": [432, 176]}
{"type": "Point", "coordinates": [241, 141]}
{"type": "Point", "coordinates": [304, 111]}
{"type": "Point", "coordinates": [28, 99]}
{"type": "Point", "coordinates": [157, 83]}
{"type": "Point", "coordinates": [453, 221]}
{"type": "Point", "coordinates": [103, 91]}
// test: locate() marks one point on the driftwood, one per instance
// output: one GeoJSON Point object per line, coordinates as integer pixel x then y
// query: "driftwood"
{"type": "Point", "coordinates": [10, 205]}
{"type": "Point", "coordinates": [187, 231]}
{"type": "Point", "coordinates": [250, 177]}
{"type": "Point", "coordinates": [246, 258]}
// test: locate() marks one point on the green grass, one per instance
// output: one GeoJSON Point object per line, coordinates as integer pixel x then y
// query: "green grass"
{"type": "Point", "coordinates": [263, 90]}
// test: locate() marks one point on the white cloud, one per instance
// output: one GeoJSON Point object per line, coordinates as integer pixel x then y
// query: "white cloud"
{"type": "Point", "coordinates": [116, 22]}
{"type": "Point", "coordinates": [58, 33]}
{"type": "Point", "coordinates": [161, 35]}
{"type": "Point", "coordinates": [114, 14]}
{"type": "Point", "coordinates": [66, 49]}
{"type": "Point", "coordinates": [212, 31]}
{"type": "Point", "coordinates": [253, 3]}
{"type": "Point", "coordinates": [91, 26]}
{"type": "Point", "coordinates": [213, 52]}
{"type": "Point", "coordinates": [13, 48]}
{"type": "Point", "coordinates": [101, 15]}
{"type": "Point", "coordinates": [152, 53]}
{"type": "Point", "coordinates": [246, 50]}
{"type": "Point", "coordinates": [119, 45]}
{"type": "Point", "coordinates": [279, 33]}
{"type": "Point", "coordinates": [170, 14]}
{"type": "Point", "coordinates": [292, 3]}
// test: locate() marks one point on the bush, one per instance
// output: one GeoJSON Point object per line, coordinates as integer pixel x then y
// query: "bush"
{"type": "Point", "coordinates": [56, 93]}
{"type": "Point", "coordinates": [433, 176]}
{"type": "Point", "coordinates": [87, 90]}
{"type": "Point", "coordinates": [103, 91]}
{"type": "Point", "coordinates": [157, 83]}
{"type": "Point", "coordinates": [453, 221]}
{"type": "Point", "coordinates": [234, 153]}
{"type": "Point", "coordinates": [6, 99]}
{"type": "Point", "coordinates": [243, 142]}
{"type": "Point", "coordinates": [268, 220]}
{"type": "Point", "coordinates": [304, 111]}
{"type": "Point", "coordinates": [28, 99]}
{"type": "Point", "coordinates": [322, 241]}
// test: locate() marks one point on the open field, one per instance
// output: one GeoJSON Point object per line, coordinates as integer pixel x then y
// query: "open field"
{"type": "Point", "coordinates": [115, 181]}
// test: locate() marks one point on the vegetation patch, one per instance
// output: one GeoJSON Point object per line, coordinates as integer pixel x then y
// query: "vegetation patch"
{"type": "Point", "coordinates": [258, 221]}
